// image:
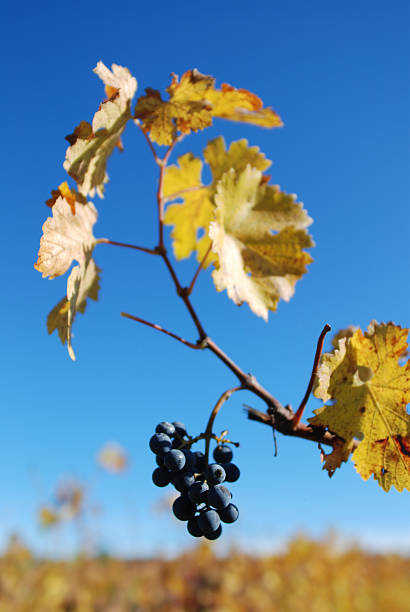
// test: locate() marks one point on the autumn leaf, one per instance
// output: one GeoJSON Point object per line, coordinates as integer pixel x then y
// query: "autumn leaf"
{"type": "Point", "coordinates": [195, 212]}
{"type": "Point", "coordinates": [82, 283]}
{"type": "Point", "coordinates": [193, 102]}
{"type": "Point", "coordinates": [92, 144]}
{"type": "Point", "coordinates": [183, 181]}
{"type": "Point", "coordinates": [70, 195]}
{"type": "Point", "coordinates": [259, 234]}
{"type": "Point", "coordinates": [369, 390]}
{"type": "Point", "coordinates": [112, 457]}
{"type": "Point", "coordinates": [66, 236]}
{"type": "Point", "coordinates": [48, 517]}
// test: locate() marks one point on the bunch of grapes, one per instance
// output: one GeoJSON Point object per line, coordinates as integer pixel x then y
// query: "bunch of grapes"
{"type": "Point", "coordinates": [204, 501]}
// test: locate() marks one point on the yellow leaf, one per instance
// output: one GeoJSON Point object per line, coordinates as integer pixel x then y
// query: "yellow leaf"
{"type": "Point", "coordinates": [370, 391]}
{"type": "Point", "coordinates": [193, 102]}
{"type": "Point", "coordinates": [196, 211]}
{"type": "Point", "coordinates": [256, 265]}
{"type": "Point", "coordinates": [82, 283]}
{"type": "Point", "coordinates": [47, 517]}
{"type": "Point", "coordinates": [66, 236]}
{"type": "Point", "coordinates": [387, 460]}
{"type": "Point", "coordinates": [91, 145]}
{"type": "Point", "coordinates": [112, 457]}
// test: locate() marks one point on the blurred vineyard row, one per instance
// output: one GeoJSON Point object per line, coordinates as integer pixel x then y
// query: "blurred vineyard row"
{"type": "Point", "coordinates": [308, 576]}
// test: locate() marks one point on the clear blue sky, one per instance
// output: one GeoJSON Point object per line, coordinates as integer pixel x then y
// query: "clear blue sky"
{"type": "Point", "coordinates": [338, 75]}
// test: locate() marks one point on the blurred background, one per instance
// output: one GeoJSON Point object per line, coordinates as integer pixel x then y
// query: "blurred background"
{"type": "Point", "coordinates": [337, 74]}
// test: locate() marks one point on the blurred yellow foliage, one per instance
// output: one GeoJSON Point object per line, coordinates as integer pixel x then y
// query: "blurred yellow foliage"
{"type": "Point", "coordinates": [307, 576]}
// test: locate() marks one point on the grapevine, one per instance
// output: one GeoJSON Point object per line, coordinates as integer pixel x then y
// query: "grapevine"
{"type": "Point", "coordinates": [255, 239]}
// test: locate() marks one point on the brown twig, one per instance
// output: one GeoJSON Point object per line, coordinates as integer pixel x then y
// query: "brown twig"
{"type": "Point", "coordinates": [161, 329]}
{"type": "Point", "coordinates": [319, 347]}
{"type": "Point", "coordinates": [128, 246]}
{"type": "Point", "coordinates": [148, 139]}
{"type": "Point", "coordinates": [191, 286]}
{"type": "Point", "coordinates": [307, 432]}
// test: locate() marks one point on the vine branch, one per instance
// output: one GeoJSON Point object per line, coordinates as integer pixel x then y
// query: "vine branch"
{"type": "Point", "coordinates": [161, 329]}
{"type": "Point", "coordinates": [319, 347]}
{"type": "Point", "coordinates": [128, 246]}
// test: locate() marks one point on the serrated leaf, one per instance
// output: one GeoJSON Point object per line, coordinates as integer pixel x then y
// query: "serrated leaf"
{"type": "Point", "coordinates": [192, 104]}
{"type": "Point", "coordinates": [256, 265]}
{"type": "Point", "coordinates": [82, 283]}
{"type": "Point", "coordinates": [340, 454]}
{"type": "Point", "coordinates": [370, 391]}
{"type": "Point", "coordinates": [70, 195]}
{"type": "Point", "coordinates": [91, 145]}
{"type": "Point", "coordinates": [238, 156]}
{"type": "Point", "coordinates": [66, 236]}
{"type": "Point", "coordinates": [196, 211]}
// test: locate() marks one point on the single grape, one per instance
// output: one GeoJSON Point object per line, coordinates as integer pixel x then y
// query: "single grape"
{"type": "Point", "coordinates": [190, 458]}
{"type": "Point", "coordinates": [215, 474]}
{"type": "Point", "coordinates": [161, 477]}
{"type": "Point", "coordinates": [180, 429]}
{"type": "Point", "coordinates": [193, 528]}
{"type": "Point", "coordinates": [183, 481]}
{"type": "Point", "coordinates": [232, 472]}
{"type": "Point", "coordinates": [223, 453]}
{"type": "Point", "coordinates": [219, 496]}
{"type": "Point", "coordinates": [183, 508]}
{"type": "Point", "coordinates": [174, 460]}
{"type": "Point", "coordinates": [160, 460]}
{"type": "Point", "coordinates": [214, 535]}
{"type": "Point", "coordinates": [198, 492]}
{"type": "Point", "coordinates": [166, 428]}
{"type": "Point", "coordinates": [229, 514]}
{"type": "Point", "coordinates": [160, 443]}
{"type": "Point", "coordinates": [199, 461]}
{"type": "Point", "coordinates": [209, 521]}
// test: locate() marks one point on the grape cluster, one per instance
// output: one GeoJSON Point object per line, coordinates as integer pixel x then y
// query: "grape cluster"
{"type": "Point", "coordinates": [204, 501]}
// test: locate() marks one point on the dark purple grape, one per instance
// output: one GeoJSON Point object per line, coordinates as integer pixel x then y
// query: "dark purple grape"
{"type": "Point", "coordinates": [200, 461]}
{"type": "Point", "coordinates": [174, 460]}
{"type": "Point", "coordinates": [180, 429]}
{"type": "Point", "coordinates": [214, 535]}
{"type": "Point", "coordinates": [229, 514]}
{"type": "Point", "coordinates": [161, 477]}
{"type": "Point", "coordinates": [198, 492]}
{"type": "Point", "coordinates": [183, 508]}
{"type": "Point", "coordinates": [160, 443]}
{"type": "Point", "coordinates": [166, 428]}
{"type": "Point", "coordinates": [223, 453]}
{"type": "Point", "coordinates": [209, 521]}
{"type": "Point", "coordinates": [193, 528]}
{"type": "Point", "coordinates": [215, 474]}
{"type": "Point", "coordinates": [183, 481]}
{"type": "Point", "coordinates": [232, 472]}
{"type": "Point", "coordinates": [160, 460]}
{"type": "Point", "coordinates": [219, 496]}
{"type": "Point", "coordinates": [190, 460]}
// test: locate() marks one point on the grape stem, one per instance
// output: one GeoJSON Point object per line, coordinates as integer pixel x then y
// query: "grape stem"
{"type": "Point", "coordinates": [208, 432]}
